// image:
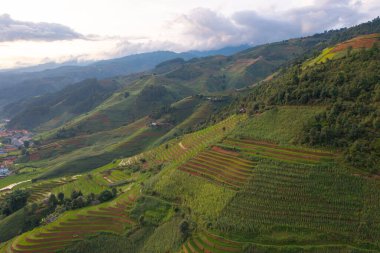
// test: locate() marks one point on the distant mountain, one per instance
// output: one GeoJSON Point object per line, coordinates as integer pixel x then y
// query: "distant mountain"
{"type": "Point", "coordinates": [180, 78]}
{"type": "Point", "coordinates": [21, 83]}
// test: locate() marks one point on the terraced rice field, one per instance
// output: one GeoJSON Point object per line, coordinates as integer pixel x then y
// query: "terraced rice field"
{"type": "Point", "coordinates": [194, 142]}
{"type": "Point", "coordinates": [206, 242]}
{"type": "Point", "coordinates": [73, 227]}
{"type": "Point", "coordinates": [94, 183]}
{"type": "Point", "coordinates": [114, 176]}
{"type": "Point", "coordinates": [262, 149]}
{"type": "Point", "coordinates": [221, 167]}
{"type": "Point", "coordinates": [301, 196]}
{"type": "Point", "coordinates": [189, 145]}
{"type": "Point", "coordinates": [41, 191]}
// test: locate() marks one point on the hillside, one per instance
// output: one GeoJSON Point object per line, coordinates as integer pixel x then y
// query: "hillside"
{"type": "Point", "coordinates": [25, 83]}
{"type": "Point", "coordinates": [52, 110]}
{"type": "Point", "coordinates": [260, 151]}
{"type": "Point", "coordinates": [348, 87]}
{"type": "Point", "coordinates": [344, 48]}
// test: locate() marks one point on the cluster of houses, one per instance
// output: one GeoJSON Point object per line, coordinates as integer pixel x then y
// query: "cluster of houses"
{"type": "Point", "coordinates": [11, 141]}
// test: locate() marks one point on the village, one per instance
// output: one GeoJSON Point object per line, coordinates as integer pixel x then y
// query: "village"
{"type": "Point", "coordinates": [11, 144]}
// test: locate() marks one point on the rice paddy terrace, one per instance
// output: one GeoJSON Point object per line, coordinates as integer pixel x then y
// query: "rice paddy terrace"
{"type": "Point", "coordinates": [278, 188]}
{"type": "Point", "coordinates": [187, 146]}
{"type": "Point", "coordinates": [211, 243]}
{"type": "Point", "coordinates": [221, 167]}
{"type": "Point", "coordinates": [73, 226]}
{"type": "Point", "coordinates": [40, 191]}
{"type": "Point", "coordinates": [231, 163]}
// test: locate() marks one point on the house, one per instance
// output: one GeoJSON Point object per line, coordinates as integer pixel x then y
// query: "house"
{"type": "Point", "coordinates": [17, 142]}
{"type": "Point", "coordinates": [4, 172]}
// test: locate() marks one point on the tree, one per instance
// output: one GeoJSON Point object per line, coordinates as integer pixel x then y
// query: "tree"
{"type": "Point", "coordinates": [14, 201]}
{"type": "Point", "coordinates": [53, 201]}
{"type": "Point", "coordinates": [76, 194]}
{"type": "Point", "coordinates": [79, 202]}
{"type": "Point", "coordinates": [114, 192]}
{"type": "Point", "coordinates": [105, 196]}
{"type": "Point", "coordinates": [61, 197]}
{"type": "Point", "coordinates": [26, 144]}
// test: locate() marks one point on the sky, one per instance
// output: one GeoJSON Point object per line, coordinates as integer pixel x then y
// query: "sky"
{"type": "Point", "coordinates": [43, 31]}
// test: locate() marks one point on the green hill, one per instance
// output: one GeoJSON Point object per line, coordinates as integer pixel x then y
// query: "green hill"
{"type": "Point", "coordinates": [180, 160]}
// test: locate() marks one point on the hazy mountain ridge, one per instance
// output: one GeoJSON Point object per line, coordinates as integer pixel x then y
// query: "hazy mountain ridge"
{"type": "Point", "coordinates": [17, 85]}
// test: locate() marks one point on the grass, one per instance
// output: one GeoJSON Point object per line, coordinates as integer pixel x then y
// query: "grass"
{"type": "Point", "coordinates": [166, 238]}
{"type": "Point", "coordinates": [12, 225]}
{"type": "Point", "coordinates": [281, 125]}
{"type": "Point", "coordinates": [206, 200]}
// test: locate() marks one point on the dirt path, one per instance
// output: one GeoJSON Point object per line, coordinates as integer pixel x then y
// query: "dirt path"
{"type": "Point", "coordinates": [182, 146]}
{"type": "Point", "coordinates": [76, 177]}
{"type": "Point", "coordinates": [10, 187]}
{"type": "Point", "coordinates": [108, 180]}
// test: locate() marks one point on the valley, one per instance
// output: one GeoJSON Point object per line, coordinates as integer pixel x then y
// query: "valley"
{"type": "Point", "coordinates": [271, 149]}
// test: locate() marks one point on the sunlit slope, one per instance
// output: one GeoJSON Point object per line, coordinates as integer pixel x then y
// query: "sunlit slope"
{"type": "Point", "coordinates": [347, 47]}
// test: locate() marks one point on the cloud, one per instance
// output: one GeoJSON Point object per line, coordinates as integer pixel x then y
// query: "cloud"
{"type": "Point", "coordinates": [198, 29]}
{"type": "Point", "coordinates": [205, 29]}
{"type": "Point", "coordinates": [13, 30]}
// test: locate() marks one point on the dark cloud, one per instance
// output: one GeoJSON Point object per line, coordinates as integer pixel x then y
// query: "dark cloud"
{"type": "Point", "coordinates": [209, 29]}
{"type": "Point", "coordinates": [12, 30]}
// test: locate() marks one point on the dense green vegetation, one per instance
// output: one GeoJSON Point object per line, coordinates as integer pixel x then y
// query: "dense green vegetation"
{"type": "Point", "coordinates": [286, 165]}
{"type": "Point", "coordinates": [349, 88]}
{"type": "Point", "coordinates": [14, 201]}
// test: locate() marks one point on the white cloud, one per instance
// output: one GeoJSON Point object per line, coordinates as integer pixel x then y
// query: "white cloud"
{"type": "Point", "coordinates": [201, 28]}
{"type": "Point", "coordinates": [13, 30]}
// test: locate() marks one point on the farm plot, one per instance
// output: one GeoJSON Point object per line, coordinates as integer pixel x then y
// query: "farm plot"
{"type": "Point", "coordinates": [115, 176]}
{"type": "Point", "coordinates": [207, 242]}
{"type": "Point", "coordinates": [90, 183]}
{"type": "Point", "coordinates": [262, 149]}
{"type": "Point", "coordinates": [221, 167]}
{"type": "Point", "coordinates": [179, 149]}
{"type": "Point", "coordinates": [322, 199]}
{"type": "Point", "coordinates": [41, 191]}
{"type": "Point", "coordinates": [74, 226]}
{"type": "Point", "coordinates": [194, 142]}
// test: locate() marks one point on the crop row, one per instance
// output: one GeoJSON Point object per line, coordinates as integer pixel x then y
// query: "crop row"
{"type": "Point", "coordinates": [190, 144]}
{"type": "Point", "coordinates": [311, 198]}
{"type": "Point", "coordinates": [219, 167]}
{"type": "Point", "coordinates": [269, 150]}
{"type": "Point", "coordinates": [207, 242]}
{"type": "Point", "coordinates": [61, 233]}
